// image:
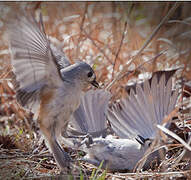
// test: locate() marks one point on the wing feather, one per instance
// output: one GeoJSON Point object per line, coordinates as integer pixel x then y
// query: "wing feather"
{"type": "Point", "coordinates": [90, 117]}
{"type": "Point", "coordinates": [145, 107]}
{"type": "Point", "coordinates": [36, 63]}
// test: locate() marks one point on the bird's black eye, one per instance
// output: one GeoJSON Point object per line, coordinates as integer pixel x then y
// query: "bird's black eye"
{"type": "Point", "coordinates": [90, 74]}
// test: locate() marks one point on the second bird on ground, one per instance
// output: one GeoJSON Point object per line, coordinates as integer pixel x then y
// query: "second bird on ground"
{"type": "Point", "coordinates": [134, 120]}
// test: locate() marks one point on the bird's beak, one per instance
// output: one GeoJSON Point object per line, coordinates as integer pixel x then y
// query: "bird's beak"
{"type": "Point", "coordinates": [141, 140]}
{"type": "Point", "coordinates": [94, 83]}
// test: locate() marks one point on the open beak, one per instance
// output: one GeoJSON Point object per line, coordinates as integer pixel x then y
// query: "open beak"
{"type": "Point", "coordinates": [94, 83]}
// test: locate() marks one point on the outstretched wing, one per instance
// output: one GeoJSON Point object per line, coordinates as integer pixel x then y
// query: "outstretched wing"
{"type": "Point", "coordinates": [90, 117]}
{"type": "Point", "coordinates": [35, 62]}
{"type": "Point", "coordinates": [147, 105]}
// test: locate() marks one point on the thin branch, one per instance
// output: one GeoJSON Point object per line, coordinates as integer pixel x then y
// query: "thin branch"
{"type": "Point", "coordinates": [170, 133]}
{"type": "Point", "coordinates": [179, 158]}
{"type": "Point", "coordinates": [108, 47]}
{"type": "Point", "coordinates": [25, 156]}
{"type": "Point", "coordinates": [93, 42]}
{"type": "Point", "coordinates": [121, 73]}
{"type": "Point", "coordinates": [81, 28]}
{"type": "Point", "coordinates": [150, 60]}
{"type": "Point", "coordinates": [179, 21]}
{"type": "Point", "coordinates": [150, 174]}
{"type": "Point", "coordinates": [122, 38]}
{"type": "Point", "coordinates": [121, 43]}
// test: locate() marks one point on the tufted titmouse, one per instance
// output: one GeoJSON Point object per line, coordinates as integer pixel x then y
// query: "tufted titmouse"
{"type": "Point", "coordinates": [133, 119]}
{"type": "Point", "coordinates": [46, 81]}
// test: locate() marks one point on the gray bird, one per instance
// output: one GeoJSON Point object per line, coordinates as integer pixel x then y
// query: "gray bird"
{"type": "Point", "coordinates": [133, 120]}
{"type": "Point", "coordinates": [46, 81]}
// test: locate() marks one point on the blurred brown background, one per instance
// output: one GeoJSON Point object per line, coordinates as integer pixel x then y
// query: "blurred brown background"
{"type": "Point", "coordinates": [107, 35]}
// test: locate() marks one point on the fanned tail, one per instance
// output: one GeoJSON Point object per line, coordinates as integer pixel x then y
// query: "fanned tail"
{"type": "Point", "coordinates": [147, 105]}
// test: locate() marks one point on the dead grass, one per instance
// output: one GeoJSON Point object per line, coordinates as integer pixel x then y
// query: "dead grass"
{"type": "Point", "coordinates": [121, 41]}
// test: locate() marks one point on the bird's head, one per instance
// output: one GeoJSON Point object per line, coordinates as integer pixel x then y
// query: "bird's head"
{"type": "Point", "coordinates": [80, 73]}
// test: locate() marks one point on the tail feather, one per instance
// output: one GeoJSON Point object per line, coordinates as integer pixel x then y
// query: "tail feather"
{"type": "Point", "coordinates": [90, 117]}
{"type": "Point", "coordinates": [173, 101]}
{"type": "Point", "coordinates": [140, 107]}
{"type": "Point", "coordinates": [118, 123]}
{"type": "Point", "coordinates": [147, 105]}
{"type": "Point", "coordinates": [155, 95]}
{"type": "Point", "coordinates": [144, 108]}
{"type": "Point", "coordinates": [161, 87]}
{"type": "Point", "coordinates": [168, 92]}
{"type": "Point", "coordinates": [150, 99]}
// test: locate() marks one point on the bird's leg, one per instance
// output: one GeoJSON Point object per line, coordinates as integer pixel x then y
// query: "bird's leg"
{"type": "Point", "coordinates": [62, 158]}
{"type": "Point", "coordinates": [75, 134]}
{"type": "Point", "coordinates": [88, 140]}
{"type": "Point", "coordinates": [75, 137]}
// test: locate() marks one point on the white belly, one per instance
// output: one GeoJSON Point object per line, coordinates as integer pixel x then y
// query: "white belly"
{"type": "Point", "coordinates": [59, 109]}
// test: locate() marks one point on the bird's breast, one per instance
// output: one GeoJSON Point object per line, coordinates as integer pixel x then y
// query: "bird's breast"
{"type": "Point", "coordinates": [68, 98]}
{"type": "Point", "coordinates": [57, 105]}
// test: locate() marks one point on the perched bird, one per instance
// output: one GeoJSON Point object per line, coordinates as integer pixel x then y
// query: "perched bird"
{"type": "Point", "coordinates": [46, 80]}
{"type": "Point", "coordinates": [133, 120]}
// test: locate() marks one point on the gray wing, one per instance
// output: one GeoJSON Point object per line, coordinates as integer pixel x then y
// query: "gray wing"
{"type": "Point", "coordinates": [90, 117]}
{"type": "Point", "coordinates": [35, 62]}
{"type": "Point", "coordinates": [147, 105]}
{"type": "Point", "coordinates": [61, 59]}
